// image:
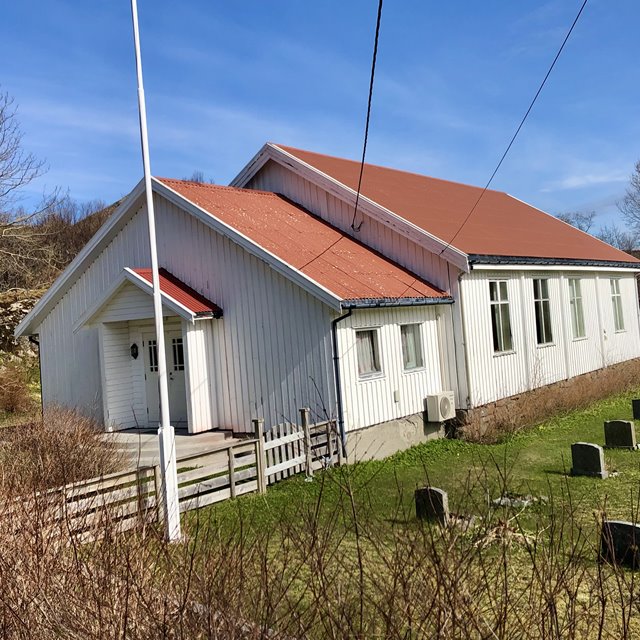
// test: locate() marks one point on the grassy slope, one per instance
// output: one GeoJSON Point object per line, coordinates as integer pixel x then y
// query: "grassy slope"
{"type": "Point", "coordinates": [535, 462]}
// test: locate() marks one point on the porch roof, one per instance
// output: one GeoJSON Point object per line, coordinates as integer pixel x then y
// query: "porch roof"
{"type": "Point", "coordinates": [182, 293]}
{"type": "Point", "coordinates": [177, 296]}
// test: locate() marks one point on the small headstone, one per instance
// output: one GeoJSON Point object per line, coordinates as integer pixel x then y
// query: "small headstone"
{"type": "Point", "coordinates": [432, 504]}
{"type": "Point", "coordinates": [587, 460]}
{"type": "Point", "coordinates": [620, 543]}
{"type": "Point", "coordinates": [635, 406]}
{"type": "Point", "coordinates": [620, 434]}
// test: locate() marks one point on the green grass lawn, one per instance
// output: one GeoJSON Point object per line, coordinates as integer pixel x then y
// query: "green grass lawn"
{"type": "Point", "coordinates": [536, 462]}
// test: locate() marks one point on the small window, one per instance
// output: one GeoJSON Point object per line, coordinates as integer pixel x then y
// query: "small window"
{"type": "Point", "coordinates": [368, 353]}
{"type": "Point", "coordinates": [543, 311]}
{"type": "Point", "coordinates": [616, 300]}
{"type": "Point", "coordinates": [577, 311]}
{"type": "Point", "coordinates": [153, 355]}
{"type": "Point", "coordinates": [178, 354]}
{"type": "Point", "coordinates": [412, 356]}
{"type": "Point", "coordinates": [500, 318]}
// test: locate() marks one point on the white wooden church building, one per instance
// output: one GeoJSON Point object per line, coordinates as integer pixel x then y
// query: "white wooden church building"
{"type": "Point", "coordinates": [277, 296]}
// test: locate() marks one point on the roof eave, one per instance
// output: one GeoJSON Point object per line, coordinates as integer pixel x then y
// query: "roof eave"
{"type": "Point", "coordinates": [374, 303]}
{"type": "Point", "coordinates": [478, 261]}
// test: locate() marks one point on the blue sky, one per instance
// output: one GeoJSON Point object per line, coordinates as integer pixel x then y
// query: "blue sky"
{"type": "Point", "coordinates": [453, 80]}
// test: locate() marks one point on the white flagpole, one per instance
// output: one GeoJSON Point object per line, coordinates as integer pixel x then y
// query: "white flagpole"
{"type": "Point", "coordinates": [166, 434]}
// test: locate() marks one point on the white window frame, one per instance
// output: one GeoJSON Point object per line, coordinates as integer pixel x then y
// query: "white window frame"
{"type": "Point", "coordinates": [542, 308]}
{"type": "Point", "coordinates": [578, 327]}
{"type": "Point", "coordinates": [376, 355]}
{"type": "Point", "coordinates": [616, 302]}
{"type": "Point", "coordinates": [501, 332]}
{"type": "Point", "coordinates": [416, 329]}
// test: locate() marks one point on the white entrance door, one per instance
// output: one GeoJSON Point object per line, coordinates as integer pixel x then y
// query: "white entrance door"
{"type": "Point", "coordinates": [175, 373]}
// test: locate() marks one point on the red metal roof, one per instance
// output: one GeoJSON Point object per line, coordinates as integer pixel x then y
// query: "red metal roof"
{"type": "Point", "coordinates": [501, 225]}
{"type": "Point", "coordinates": [182, 293]}
{"type": "Point", "coordinates": [347, 268]}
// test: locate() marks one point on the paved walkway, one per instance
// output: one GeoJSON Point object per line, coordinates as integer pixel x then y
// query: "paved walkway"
{"type": "Point", "coordinates": [141, 445]}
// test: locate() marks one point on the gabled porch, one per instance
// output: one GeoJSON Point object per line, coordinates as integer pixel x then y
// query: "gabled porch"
{"type": "Point", "coordinates": [128, 352]}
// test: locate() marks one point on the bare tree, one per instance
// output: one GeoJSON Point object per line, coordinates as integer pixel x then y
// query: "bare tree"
{"type": "Point", "coordinates": [624, 239]}
{"type": "Point", "coordinates": [630, 204]}
{"type": "Point", "coordinates": [198, 176]}
{"type": "Point", "coordinates": [17, 167]}
{"type": "Point", "coordinates": [582, 220]}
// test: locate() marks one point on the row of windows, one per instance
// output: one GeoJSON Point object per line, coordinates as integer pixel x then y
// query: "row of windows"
{"type": "Point", "coordinates": [368, 350]}
{"type": "Point", "coordinates": [501, 319]}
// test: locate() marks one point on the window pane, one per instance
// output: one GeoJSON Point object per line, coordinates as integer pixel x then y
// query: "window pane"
{"type": "Point", "coordinates": [546, 315]}
{"type": "Point", "coordinates": [367, 352]}
{"type": "Point", "coordinates": [577, 313]}
{"type": "Point", "coordinates": [542, 311]}
{"type": "Point", "coordinates": [411, 346]}
{"type": "Point", "coordinates": [153, 355]}
{"type": "Point", "coordinates": [506, 328]}
{"type": "Point", "coordinates": [178, 354]}
{"type": "Point", "coordinates": [500, 319]}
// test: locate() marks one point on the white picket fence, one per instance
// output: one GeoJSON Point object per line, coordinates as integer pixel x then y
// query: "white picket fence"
{"type": "Point", "coordinates": [128, 499]}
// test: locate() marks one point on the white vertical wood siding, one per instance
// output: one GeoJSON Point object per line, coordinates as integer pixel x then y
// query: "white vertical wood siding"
{"type": "Point", "coordinates": [371, 401]}
{"type": "Point", "coordinates": [70, 361]}
{"type": "Point", "coordinates": [269, 356]}
{"type": "Point", "coordinates": [197, 350]}
{"type": "Point", "coordinates": [271, 351]}
{"type": "Point", "coordinates": [493, 376]}
{"type": "Point", "coordinates": [275, 177]}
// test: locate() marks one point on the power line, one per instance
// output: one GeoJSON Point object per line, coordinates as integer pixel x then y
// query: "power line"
{"type": "Point", "coordinates": [515, 135]}
{"type": "Point", "coordinates": [366, 127]}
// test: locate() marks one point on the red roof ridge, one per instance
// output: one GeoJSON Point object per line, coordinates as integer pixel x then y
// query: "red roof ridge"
{"type": "Point", "coordinates": [386, 168]}
{"type": "Point", "coordinates": [209, 185]}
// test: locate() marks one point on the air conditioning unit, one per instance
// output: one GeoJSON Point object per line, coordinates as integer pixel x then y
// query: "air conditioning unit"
{"type": "Point", "coordinates": [441, 406]}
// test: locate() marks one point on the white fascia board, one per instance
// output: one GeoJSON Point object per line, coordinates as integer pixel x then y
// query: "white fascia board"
{"type": "Point", "coordinates": [552, 267]}
{"type": "Point", "coordinates": [276, 263]}
{"type": "Point", "coordinates": [78, 265]}
{"type": "Point", "coordinates": [336, 188]}
{"type": "Point", "coordinates": [128, 275]}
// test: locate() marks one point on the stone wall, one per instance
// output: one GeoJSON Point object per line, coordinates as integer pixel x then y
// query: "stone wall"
{"type": "Point", "coordinates": [492, 421]}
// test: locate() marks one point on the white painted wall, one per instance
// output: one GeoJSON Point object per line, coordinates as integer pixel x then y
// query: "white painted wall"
{"type": "Point", "coordinates": [371, 400]}
{"type": "Point", "coordinates": [269, 355]}
{"type": "Point", "coordinates": [494, 376]}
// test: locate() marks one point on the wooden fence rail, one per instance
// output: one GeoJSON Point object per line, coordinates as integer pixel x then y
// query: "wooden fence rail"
{"type": "Point", "coordinates": [128, 499]}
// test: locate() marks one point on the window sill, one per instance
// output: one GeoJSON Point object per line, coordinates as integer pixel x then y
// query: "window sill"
{"type": "Point", "coordinates": [620, 331]}
{"type": "Point", "coordinates": [546, 345]}
{"type": "Point", "coordinates": [407, 372]}
{"type": "Point", "coordinates": [581, 339]}
{"type": "Point", "coordinates": [500, 354]}
{"type": "Point", "coordinates": [370, 376]}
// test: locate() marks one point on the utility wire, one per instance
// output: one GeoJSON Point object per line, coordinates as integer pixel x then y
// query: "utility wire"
{"type": "Point", "coordinates": [515, 135]}
{"type": "Point", "coordinates": [366, 127]}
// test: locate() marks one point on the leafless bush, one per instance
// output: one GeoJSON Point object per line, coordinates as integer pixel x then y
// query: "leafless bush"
{"type": "Point", "coordinates": [325, 566]}
{"type": "Point", "coordinates": [498, 419]}
{"type": "Point", "coordinates": [59, 447]}
{"type": "Point", "coordinates": [15, 395]}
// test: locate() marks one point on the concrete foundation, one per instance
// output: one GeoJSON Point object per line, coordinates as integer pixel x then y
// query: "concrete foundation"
{"type": "Point", "coordinates": [384, 439]}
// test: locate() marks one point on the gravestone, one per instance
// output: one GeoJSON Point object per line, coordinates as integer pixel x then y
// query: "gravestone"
{"type": "Point", "coordinates": [635, 406]}
{"type": "Point", "coordinates": [587, 460]}
{"type": "Point", "coordinates": [620, 543]}
{"type": "Point", "coordinates": [432, 504]}
{"type": "Point", "coordinates": [620, 434]}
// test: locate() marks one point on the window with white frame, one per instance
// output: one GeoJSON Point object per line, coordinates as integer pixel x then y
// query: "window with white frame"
{"type": "Point", "coordinates": [616, 300]}
{"type": "Point", "coordinates": [500, 318]}
{"type": "Point", "coordinates": [412, 354]}
{"type": "Point", "coordinates": [368, 353]}
{"type": "Point", "coordinates": [542, 304]}
{"type": "Point", "coordinates": [577, 311]}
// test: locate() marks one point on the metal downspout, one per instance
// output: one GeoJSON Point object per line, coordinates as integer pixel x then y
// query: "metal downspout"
{"type": "Point", "coordinates": [336, 374]}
